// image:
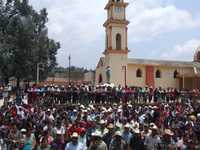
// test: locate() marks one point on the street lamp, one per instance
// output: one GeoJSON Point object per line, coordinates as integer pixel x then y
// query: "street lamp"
{"type": "Point", "coordinates": [69, 58]}
{"type": "Point", "coordinates": [124, 69]}
{"type": "Point", "coordinates": [38, 72]}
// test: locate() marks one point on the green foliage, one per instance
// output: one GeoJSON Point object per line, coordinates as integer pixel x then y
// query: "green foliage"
{"type": "Point", "coordinates": [76, 73]}
{"type": "Point", "coordinates": [24, 41]}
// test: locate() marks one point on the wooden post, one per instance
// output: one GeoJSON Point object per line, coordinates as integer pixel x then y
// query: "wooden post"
{"type": "Point", "coordinates": [183, 82]}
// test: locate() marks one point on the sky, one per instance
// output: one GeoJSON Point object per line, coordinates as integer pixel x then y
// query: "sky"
{"type": "Point", "coordinates": [158, 29]}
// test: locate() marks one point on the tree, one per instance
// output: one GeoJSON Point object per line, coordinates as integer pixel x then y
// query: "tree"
{"type": "Point", "coordinates": [24, 41]}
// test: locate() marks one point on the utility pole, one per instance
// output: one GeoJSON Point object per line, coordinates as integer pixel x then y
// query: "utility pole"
{"type": "Point", "coordinates": [124, 69]}
{"type": "Point", "coordinates": [69, 76]}
{"type": "Point", "coordinates": [38, 72]}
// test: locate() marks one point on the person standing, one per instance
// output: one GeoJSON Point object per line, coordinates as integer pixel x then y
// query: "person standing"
{"type": "Point", "coordinates": [136, 141]}
{"type": "Point", "coordinates": [117, 142]}
{"type": "Point", "coordinates": [29, 140]}
{"type": "Point", "coordinates": [126, 135]}
{"type": "Point", "coordinates": [108, 136]}
{"type": "Point", "coordinates": [152, 141]}
{"type": "Point", "coordinates": [75, 144]}
{"type": "Point", "coordinates": [96, 142]}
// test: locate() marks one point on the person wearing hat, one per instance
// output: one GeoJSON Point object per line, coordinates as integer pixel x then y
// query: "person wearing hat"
{"type": "Point", "coordinates": [127, 134]}
{"type": "Point", "coordinates": [117, 142]}
{"type": "Point", "coordinates": [82, 138]}
{"type": "Point", "coordinates": [30, 141]}
{"type": "Point", "coordinates": [45, 141]}
{"type": "Point", "coordinates": [75, 144]}
{"type": "Point", "coordinates": [96, 142]}
{"type": "Point", "coordinates": [14, 134]}
{"type": "Point", "coordinates": [58, 143]}
{"type": "Point", "coordinates": [152, 141]}
{"type": "Point", "coordinates": [136, 141]}
{"type": "Point", "coordinates": [108, 136]}
{"type": "Point", "coordinates": [167, 140]}
{"type": "Point", "coordinates": [102, 127]}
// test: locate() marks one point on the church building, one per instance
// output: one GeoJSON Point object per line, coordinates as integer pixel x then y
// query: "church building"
{"type": "Point", "coordinates": [115, 67]}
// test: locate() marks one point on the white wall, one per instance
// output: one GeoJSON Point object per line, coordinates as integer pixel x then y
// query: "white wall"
{"type": "Point", "coordinates": [131, 76]}
{"type": "Point", "coordinates": [122, 31]}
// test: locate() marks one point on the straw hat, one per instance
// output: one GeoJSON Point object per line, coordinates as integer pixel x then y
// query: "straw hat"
{"type": "Point", "coordinates": [84, 110]}
{"type": "Point", "coordinates": [102, 122]}
{"type": "Point", "coordinates": [118, 133]}
{"type": "Point", "coordinates": [168, 132]}
{"type": "Point", "coordinates": [110, 109]}
{"type": "Point", "coordinates": [129, 105]}
{"type": "Point", "coordinates": [45, 128]}
{"type": "Point", "coordinates": [74, 135]}
{"type": "Point", "coordinates": [135, 124]}
{"type": "Point", "coordinates": [136, 130]}
{"type": "Point", "coordinates": [110, 126]}
{"type": "Point", "coordinates": [193, 118]}
{"type": "Point", "coordinates": [153, 126]}
{"type": "Point", "coordinates": [118, 124]}
{"type": "Point", "coordinates": [127, 125]}
{"type": "Point", "coordinates": [198, 115]}
{"type": "Point", "coordinates": [59, 132]}
{"type": "Point", "coordinates": [82, 106]}
{"type": "Point", "coordinates": [155, 107]}
{"type": "Point", "coordinates": [23, 130]}
{"type": "Point", "coordinates": [97, 134]}
{"type": "Point", "coordinates": [119, 110]}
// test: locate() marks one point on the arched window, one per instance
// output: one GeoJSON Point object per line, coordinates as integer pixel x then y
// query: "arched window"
{"type": "Point", "coordinates": [158, 74]}
{"type": "Point", "coordinates": [100, 78]}
{"type": "Point", "coordinates": [175, 74]}
{"type": "Point", "coordinates": [138, 73]}
{"type": "Point", "coordinates": [118, 41]}
{"type": "Point", "coordinates": [108, 74]}
{"type": "Point", "coordinates": [198, 56]}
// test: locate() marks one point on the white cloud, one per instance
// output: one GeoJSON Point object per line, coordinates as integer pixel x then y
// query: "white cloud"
{"type": "Point", "coordinates": [77, 24]}
{"type": "Point", "coordinates": [183, 51]}
{"type": "Point", "coordinates": [156, 18]}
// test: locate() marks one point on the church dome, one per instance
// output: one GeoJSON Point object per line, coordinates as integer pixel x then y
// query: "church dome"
{"type": "Point", "coordinates": [197, 55]}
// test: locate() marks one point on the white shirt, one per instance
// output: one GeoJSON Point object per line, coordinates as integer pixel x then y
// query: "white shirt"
{"type": "Point", "coordinates": [152, 142]}
{"type": "Point", "coordinates": [78, 146]}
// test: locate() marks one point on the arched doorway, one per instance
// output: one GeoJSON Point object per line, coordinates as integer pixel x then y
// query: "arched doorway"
{"type": "Point", "coordinates": [158, 74]}
{"type": "Point", "coordinates": [118, 41]}
{"type": "Point", "coordinates": [198, 56]}
{"type": "Point", "coordinates": [175, 74]}
{"type": "Point", "coordinates": [100, 78]}
{"type": "Point", "coordinates": [138, 73]}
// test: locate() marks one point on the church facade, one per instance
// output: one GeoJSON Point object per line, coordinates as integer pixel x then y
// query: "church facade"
{"type": "Point", "coordinates": [115, 66]}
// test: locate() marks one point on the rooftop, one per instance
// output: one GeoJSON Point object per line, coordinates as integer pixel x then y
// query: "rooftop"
{"type": "Point", "coordinates": [163, 62]}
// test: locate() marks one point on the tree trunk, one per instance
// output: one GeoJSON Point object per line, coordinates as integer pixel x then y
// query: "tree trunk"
{"type": "Point", "coordinates": [6, 81]}
{"type": "Point", "coordinates": [18, 83]}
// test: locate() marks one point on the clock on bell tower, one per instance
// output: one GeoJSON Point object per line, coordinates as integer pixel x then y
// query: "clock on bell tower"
{"type": "Point", "coordinates": [116, 27]}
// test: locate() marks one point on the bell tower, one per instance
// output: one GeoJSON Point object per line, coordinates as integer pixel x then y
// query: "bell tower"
{"type": "Point", "coordinates": [116, 27]}
{"type": "Point", "coordinates": [116, 47]}
{"type": "Point", "coordinates": [197, 55]}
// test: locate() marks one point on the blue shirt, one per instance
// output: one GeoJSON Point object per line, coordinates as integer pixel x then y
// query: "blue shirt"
{"type": "Point", "coordinates": [78, 146]}
{"type": "Point", "coordinates": [127, 137]}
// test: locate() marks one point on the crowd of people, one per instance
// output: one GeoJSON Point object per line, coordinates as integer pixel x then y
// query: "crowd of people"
{"type": "Point", "coordinates": [103, 118]}
{"type": "Point", "coordinates": [106, 94]}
